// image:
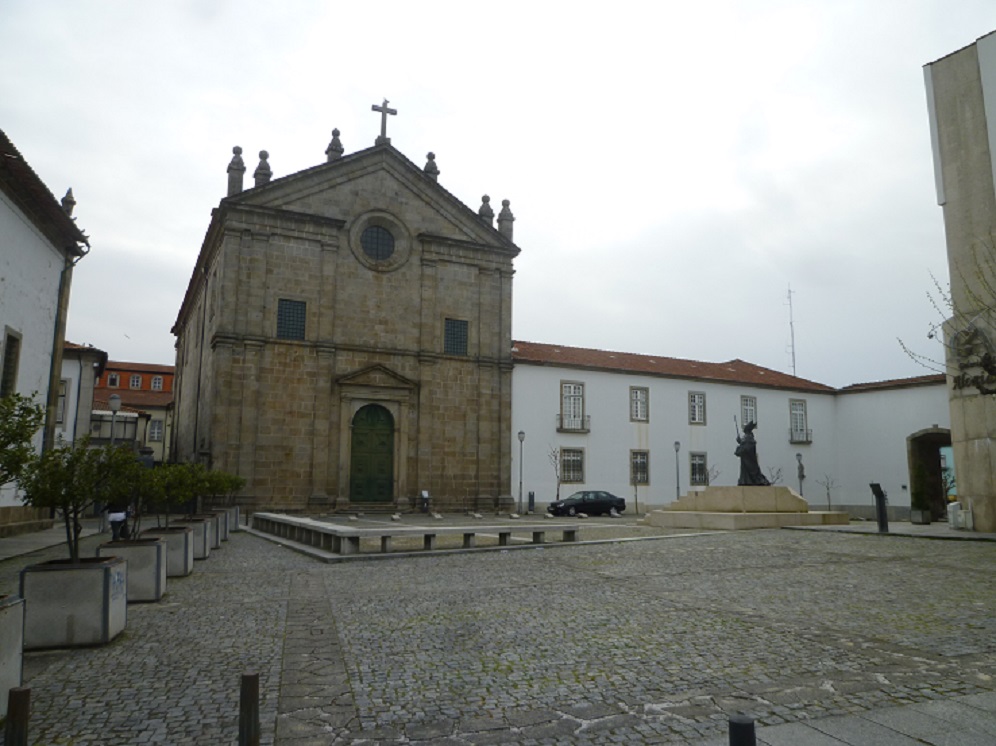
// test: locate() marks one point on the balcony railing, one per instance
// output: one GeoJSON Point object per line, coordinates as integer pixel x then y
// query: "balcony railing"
{"type": "Point", "coordinates": [800, 436]}
{"type": "Point", "coordinates": [567, 424]}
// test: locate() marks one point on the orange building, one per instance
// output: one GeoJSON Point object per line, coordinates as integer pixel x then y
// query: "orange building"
{"type": "Point", "coordinates": [145, 417]}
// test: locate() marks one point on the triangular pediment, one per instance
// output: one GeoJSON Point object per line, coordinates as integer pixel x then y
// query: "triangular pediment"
{"type": "Point", "coordinates": [377, 178]}
{"type": "Point", "coordinates": [377, 376]}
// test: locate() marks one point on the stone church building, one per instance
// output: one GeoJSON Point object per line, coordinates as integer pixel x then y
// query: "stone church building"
{"type": "Point", "coordinates": [345, 338]}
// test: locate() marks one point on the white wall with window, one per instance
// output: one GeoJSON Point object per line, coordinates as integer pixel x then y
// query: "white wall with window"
{"type": "Point", "coordinates": [31, 268]}
{"type": "Point", "coordinates": [845, 432]}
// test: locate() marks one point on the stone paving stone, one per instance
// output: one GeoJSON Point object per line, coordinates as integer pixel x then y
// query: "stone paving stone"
{"type": "Point", "coordinates": [640, 642]}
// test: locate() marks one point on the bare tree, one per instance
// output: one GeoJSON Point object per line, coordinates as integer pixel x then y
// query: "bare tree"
{"type": "Point", "coordinates": [554, 455]}
{"type": "Point", "coordinates": [774, 475]}
{"type": "Point", "coordinates": [713, 474]}
{"type": "Point", "coordinates": [828, 483]}
{"type": "Point", "coordinates": [968, 352]}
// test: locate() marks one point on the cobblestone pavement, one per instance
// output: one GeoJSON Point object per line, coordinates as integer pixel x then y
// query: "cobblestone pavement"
{"type": "Point", "coordinates": [637, 642]}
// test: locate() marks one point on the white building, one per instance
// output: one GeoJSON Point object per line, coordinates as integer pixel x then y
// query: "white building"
{"type": "Point", "coordinates": [39, 247]}
{"type": "Point", "coordinates": [604, 416]}
{"type": "Point", "coordinates": [81, 366]}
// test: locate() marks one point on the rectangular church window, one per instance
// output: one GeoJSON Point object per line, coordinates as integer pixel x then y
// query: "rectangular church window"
{"type": "Point", "coordinates": [290, 318]}
{"type": "Point", "coordinates": [455, 337]}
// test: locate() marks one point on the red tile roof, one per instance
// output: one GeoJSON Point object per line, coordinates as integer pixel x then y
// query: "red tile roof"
{"type": "Point", "coordinates": [117, 365]}
{"type": "Point", "coordinates": [133, 400]}
{"type": "Point", "coordinates": [733, 371]}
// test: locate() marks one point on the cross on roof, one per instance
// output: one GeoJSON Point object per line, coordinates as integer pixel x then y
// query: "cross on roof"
{"type": "Point", "coordinates": [384, 111]}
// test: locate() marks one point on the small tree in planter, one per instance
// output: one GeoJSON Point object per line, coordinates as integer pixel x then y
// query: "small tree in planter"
{"type": "Point", "coordinates": [71, 478]}
{"type": "Point", "coordinates": [79, 601]}
{"type": "Point", "coordinates": [180, 484]}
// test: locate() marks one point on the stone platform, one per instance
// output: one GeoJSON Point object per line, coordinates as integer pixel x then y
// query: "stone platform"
{"type": "Point", "coordinates": [737, 508]}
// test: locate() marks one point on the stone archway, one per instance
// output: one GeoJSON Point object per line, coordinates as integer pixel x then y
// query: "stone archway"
{"type": "Point", "coordinates": [923, 451]}
{"type": "Point", "coordinates": [371, 463]}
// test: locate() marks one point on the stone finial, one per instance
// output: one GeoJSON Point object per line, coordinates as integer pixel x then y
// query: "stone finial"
{"type": "Point", "coordinates": [335, 150]}
{"type": "Point", "coordinates": [505, 220]}
{"type": "Point", "coordinates": [68, 202]}
{"type": "Point", "coordinates": [262, 173]}
{"type": "Point", "coordinates": [431, 169]}
{"type": "Point", "coordinates": [236, 170]}
{"type": "Point", "coordinates": [485, 212]}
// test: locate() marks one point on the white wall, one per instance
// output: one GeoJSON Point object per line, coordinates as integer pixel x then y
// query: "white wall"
{"type": "Point", "coordinates": [29, 287]}
{"type": "Point", "coordinates": [874, 426]}
{"type": "Point", "coordinates": [857, 438]}
{"type": "Point", "coordinates": [536, 404]}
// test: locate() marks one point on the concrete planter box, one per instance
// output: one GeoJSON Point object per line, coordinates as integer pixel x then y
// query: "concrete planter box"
{"type": "Point", "coordinates": [11, 646]}
{"type": "Point", "coordinates": [214, 533]}
{"type": "Point", "coordinates": [234, 518]}
{"type": "Point", "coordinates": [223, 519]}
{"type": "Point", "coordinates": [146, 566]}
{"type": "Point", "coordinates": [919, 517]}
{"type": "Point", "coordinates": [203, 535]}
{"type": "Point", "coordinates": [179, 548]}
{"type": "Point", "coordinates": [71, 605]}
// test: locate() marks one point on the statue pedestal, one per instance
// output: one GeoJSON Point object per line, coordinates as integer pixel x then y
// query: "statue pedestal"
{"type": "Point", "coordinates": [736, 508]}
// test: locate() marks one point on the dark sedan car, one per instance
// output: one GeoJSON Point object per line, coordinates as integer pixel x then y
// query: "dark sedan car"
{"type": "Point", "coordinates": [589, 502]}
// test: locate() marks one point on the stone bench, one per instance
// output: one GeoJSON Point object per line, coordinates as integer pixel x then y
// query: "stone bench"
{"type": "Point", "coordinates": [340, 539]}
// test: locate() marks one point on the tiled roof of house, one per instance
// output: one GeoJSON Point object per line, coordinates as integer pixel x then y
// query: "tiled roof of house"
{"type": "Point", "coordinates": [19, 181]}
{"type": "Point", "coordinates": [117, 365]}
{"type": "Point", "coordinates": [733, 371]}
{"type": "Point", "coordinates": [134, 401]}
{"type": "Point", "coordinates": [896, 383]}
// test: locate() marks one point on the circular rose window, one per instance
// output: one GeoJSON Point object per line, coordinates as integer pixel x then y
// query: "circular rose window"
{"type": "Point", "coordinates": [377, 243]}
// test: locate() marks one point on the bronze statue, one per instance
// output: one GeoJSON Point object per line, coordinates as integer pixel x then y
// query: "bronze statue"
{"type": "Point", "coordinates": [750, 472]}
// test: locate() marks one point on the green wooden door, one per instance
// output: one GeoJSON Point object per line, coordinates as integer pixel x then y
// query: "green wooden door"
{"type": "Point", "coordinates": [371, 465]}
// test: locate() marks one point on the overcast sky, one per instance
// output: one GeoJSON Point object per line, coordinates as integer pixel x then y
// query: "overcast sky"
{"type": "Point", "coordinates": [673, 167]}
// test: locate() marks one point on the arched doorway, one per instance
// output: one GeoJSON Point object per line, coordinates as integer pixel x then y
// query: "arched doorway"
{"type": "Point", "coordinates": [371, 463]}
{"type": "Point", "coordinates": [923, 450]}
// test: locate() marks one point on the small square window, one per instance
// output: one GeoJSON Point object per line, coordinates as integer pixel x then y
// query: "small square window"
{"type": "Point", "coordinates": [113, 380]}
{"type": "Point", "coordinates": [157, 383]}
{"type": "Point", "coordinates": [290, 318]}
{"type": "Point", "coordinates": [455, 337]}
{"type": "Point", "coordinates": [135, 382]}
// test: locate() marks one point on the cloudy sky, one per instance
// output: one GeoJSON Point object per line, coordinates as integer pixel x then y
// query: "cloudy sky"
{"type": "Point", "coordinates": [674, 167]}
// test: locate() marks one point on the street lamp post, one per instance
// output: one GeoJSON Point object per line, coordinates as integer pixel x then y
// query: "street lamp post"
{"type": "Point", "coordinates": [522, 437]}
{"type": "Point", "coordinates": [802, 471]}
{"type": "Point", "coordinates": [114, 403]}
{"type": "Point", "coordinates": [677, 472]}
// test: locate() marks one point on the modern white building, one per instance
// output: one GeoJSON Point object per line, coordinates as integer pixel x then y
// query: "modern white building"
{"type": "Point", "coordinates": [39, 247]}
{"type": "Point", "coordinates": [650, 428]}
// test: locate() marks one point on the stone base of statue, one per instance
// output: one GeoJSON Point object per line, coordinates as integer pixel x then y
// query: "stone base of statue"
{"type": "Point", "coordinates": [735, 508]}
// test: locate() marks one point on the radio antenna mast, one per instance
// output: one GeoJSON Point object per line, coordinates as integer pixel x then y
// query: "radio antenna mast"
{"type": "Point", "coordinates": [791, 329]}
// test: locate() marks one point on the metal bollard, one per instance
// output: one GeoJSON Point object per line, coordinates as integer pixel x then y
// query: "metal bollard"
{"type": "Point", "coordinates": [742, 730]}
{"type": "Point", "coordinates": [15, 730]}
{"type": "Point", "coordinates": [249, 710]}
{"type": "Point", "coordinates": [881, 511]}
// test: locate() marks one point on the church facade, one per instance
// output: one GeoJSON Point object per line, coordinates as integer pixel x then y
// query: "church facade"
{"type": "Point", "coordinates": [345, 338]}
